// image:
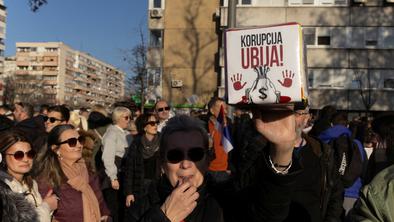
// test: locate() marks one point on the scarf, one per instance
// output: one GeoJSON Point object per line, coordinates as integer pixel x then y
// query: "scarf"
{"type": "Point", "coordinates": [149, 148]}
{"type": "Point", "coordinates": [78, 178]}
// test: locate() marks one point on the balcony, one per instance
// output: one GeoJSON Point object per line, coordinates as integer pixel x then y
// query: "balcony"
{"type": "Point", "coordinates": [22, 72]}
{"type": "Point", "coordinates": [154, 57]}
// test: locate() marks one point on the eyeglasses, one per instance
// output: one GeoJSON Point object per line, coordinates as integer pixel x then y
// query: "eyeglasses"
{"type": "Point", "coordinates": [152, 123]}
{"type": "Point", "coordinates": [51, 119]}
{"type": "Point", "coordinates": [167, 108]}
{"type": "Point", "coordinates": [72, 142]}
{"type": "Point", "coordinates": [301, 113]}
{"type": "Point", "coordinates": [19, 155]}
{"type": "Point", "coordinates": [126, 117]}
{"type": "Point", "coordinates": [177, 155]}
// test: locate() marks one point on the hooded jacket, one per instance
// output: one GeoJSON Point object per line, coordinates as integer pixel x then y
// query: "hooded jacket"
{"type": "Point", "coordinates": [334, 132]}
{"type": "Point", "coordinates": [376, 201]}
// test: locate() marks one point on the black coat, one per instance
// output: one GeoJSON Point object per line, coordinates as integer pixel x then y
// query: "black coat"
{"type": "Point", "coordinates": [138, 171]}
{"type": "Point", "coordinates": [318, 191]}
{"type": "Point", "coordinates": [207, 209]}
{"type": "Point", "coordinates": [256, 194]}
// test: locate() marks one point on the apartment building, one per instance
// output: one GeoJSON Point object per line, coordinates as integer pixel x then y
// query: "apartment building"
{"type": "Point", "coordinates": [350, 45]}
{"type": "Point", "coordinates": [54, 73]}
{"type": "Point", "coordinates": [183, 49]}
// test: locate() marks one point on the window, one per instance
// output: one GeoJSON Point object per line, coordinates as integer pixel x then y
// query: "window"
{"type": "Point", "coordinates": [156, 3]}
{"type": "Point", "coordinates": [323, 40]}
{"type": "Point", "coordinates": [371, 36]}
{"type": "Point", "coordinates": [309, 36]}
{"type": "Point", "coordinates": [51, 49]}
{"type": "Point", "coordinates": [388, 83]}
{"type": "Point", "coordinates": [308, 2]}
{"type": "Point", "coordinates": [246, 2]}
{"type": "Point", "coordinates": [156, 38]}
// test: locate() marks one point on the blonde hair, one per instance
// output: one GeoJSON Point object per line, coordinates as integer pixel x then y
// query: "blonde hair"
{"type": "Point", "coordinates": [118, 112]}
{"type": "Point", "coordinates": [78, 121]}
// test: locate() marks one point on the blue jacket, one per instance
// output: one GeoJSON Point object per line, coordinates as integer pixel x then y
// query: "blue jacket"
{"type": "Point", "coordinates": [334, 132]}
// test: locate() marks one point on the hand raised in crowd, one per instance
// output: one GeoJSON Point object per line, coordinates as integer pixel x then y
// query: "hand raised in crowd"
{"type": "Point", "coordinates": [115, 184]}
{"type": "Point", "coordinates": [129, 199]}
{"type": "Point", "coordinates": [181, 202]}
{"type": "Point", "coordinates": [51, 199]}
{"type": "Point", "coordinates": [278, 126]}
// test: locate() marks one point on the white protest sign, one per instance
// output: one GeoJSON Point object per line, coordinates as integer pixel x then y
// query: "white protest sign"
{"type": "Point", "coordinates": [265, 65]}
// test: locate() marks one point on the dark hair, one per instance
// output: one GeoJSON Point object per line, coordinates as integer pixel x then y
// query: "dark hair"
{"type": "Point", "coordinates": [339, 118]}
{"type": "Point", "coordinates": [5, 107]}
{"type": "Point", "coordinates": [63, 110]}
{"type": "Point", "coordinates": [7, 139]}
{"type": "Point", "coordinates": [27, 108]}
{"type": "Point", "coordinates": [213, 101]}
{"type": "Point", "coordinates": [141, 121]}
{"type": "Point", "coordinates": [383, 125]}
{"type": "Point", "coordinates": [97, 119]}
{"type": "Point", "coordinates": [48, 166]}
{"type": "Point", "coordinates": [181, 123]}
{"type": "Point", "coordinates": [5, 123]}
{"type": "Point", "coordinates": [44, 107]}
{"type": "Point", "coordinates": [327, 112]}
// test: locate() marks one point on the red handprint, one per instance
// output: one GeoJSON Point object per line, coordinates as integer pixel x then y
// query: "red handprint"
{"type": "Point", "coordinates": [287, 78]}
{"type": "Point", "coordinates": [236, 79]}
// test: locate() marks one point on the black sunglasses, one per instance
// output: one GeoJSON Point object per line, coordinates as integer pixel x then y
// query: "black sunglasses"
{"type": "Point", "coordinates": [177, 155]}
{"type": "Point", "coordinates": [51, 119]}
{"type": "Point", "coordinates": [152, 123]}
{"type": "Point", "coordinates": [167, 108]}
{"type": "Point", "coordinates": [72, 142]}
{"type": "Point", "coordinates": [19, 155]}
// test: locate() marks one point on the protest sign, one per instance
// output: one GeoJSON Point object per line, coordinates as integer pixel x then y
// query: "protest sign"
{"type": "Point", "coordinates": [265, 65]}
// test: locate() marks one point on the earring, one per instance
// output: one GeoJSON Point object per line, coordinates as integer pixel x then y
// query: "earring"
{"type": "Point", "coordinates": [59, 155]}
{"type": "Point", "coordinates": [1, 158]}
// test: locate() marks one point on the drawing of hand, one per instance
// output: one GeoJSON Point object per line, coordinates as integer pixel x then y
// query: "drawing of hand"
{"type": "Point", "coordinates": [287, 78]}
{"type": "Point", "coordinates": [236, 79]}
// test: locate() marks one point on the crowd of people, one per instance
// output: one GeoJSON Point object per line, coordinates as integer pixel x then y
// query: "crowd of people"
{"type": "Point", "coordinates": [120, 164]}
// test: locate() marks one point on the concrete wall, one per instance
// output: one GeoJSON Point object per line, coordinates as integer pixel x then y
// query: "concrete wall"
{"type": "Point", "coordinates": [189, 50]}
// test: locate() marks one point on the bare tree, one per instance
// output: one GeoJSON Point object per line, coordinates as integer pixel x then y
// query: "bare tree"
{"type": "Point", "coordinates": [9, 93]}
{"type": "Point", "coordinates": [136, 59]}
{"type": "Point", "coordinates": [36, 4]}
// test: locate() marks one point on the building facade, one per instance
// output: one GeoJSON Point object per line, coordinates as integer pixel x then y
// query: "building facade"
{"type": "Point", "coordinates": [183, 49]}
{"type": "Point", "coordinates": [54, 73]}
{"type": "Point", "coordinates": [350, 45]}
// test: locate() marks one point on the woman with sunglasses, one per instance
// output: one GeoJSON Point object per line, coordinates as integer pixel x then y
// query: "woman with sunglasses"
{"type": "Point", "coordinates": [63, 170]}
{"type": "Point", "coordinates": [115, 142]}
{"type": "Point", "coordinates": [185, 192]}
{"type": "Point", "coordinates": [17, 161]}
{"type": "Point", "coordinates": [142, 165]}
